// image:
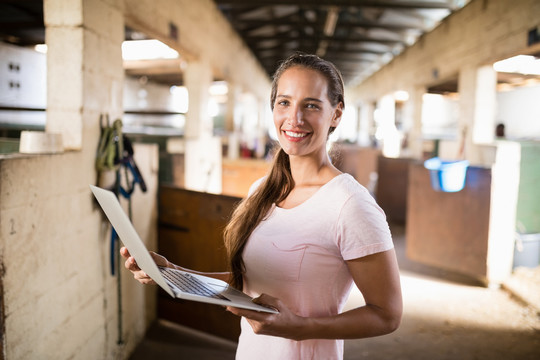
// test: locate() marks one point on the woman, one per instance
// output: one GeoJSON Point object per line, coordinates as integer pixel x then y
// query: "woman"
{"type": "Point", "coordinates": [306, 232]}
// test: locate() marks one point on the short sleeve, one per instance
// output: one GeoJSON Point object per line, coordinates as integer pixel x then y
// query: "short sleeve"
{"type": "Point", "coordinates": [362, 228]}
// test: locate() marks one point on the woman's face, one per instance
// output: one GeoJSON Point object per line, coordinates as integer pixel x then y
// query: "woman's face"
{"type": "Point", "coordinates": [303, 113]}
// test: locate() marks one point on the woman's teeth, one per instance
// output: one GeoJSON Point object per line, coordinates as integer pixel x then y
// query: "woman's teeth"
{"type": "Point", "coordinates": [295, 134]}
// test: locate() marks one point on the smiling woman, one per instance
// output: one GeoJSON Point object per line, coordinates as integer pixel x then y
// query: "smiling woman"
{"type": "Point", "coordinates": [303, 115]}
{"type": "Point", "coordinates": [307, 233]}
{"type": "Point", "coordinates": [307, 208]}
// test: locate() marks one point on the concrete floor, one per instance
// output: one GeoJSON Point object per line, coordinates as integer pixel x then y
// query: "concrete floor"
{"type": "Point", "coordinates": [446, 316]}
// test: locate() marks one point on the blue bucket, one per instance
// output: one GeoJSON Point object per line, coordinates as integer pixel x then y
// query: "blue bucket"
{"type": "Point", "coordinates": [447, 176]}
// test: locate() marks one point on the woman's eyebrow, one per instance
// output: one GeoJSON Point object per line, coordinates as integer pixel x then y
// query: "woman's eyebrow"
{"type": "Point", "coordinates": [305, 99]}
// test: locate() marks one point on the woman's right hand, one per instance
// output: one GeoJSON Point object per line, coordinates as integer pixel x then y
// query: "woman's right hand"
{"type": "Point", "coordinates": [138, 274]}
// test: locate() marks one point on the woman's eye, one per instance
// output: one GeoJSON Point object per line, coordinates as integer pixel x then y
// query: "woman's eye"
{"type": "Point", "coordinates": [283, 103]}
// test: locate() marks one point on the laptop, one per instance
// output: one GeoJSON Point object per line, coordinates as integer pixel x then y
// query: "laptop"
{"type": "Point", "coordinates": [179, 284]}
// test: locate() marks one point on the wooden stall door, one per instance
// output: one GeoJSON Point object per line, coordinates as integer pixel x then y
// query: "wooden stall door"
{"type": "Point", "coordinates": [191, 235]}
{"type": "Point", "coordinates": [392, 185]}
{"type": "Point", "coordinates": [449, 230]}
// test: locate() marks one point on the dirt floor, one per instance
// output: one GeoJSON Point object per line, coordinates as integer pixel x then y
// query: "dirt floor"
{"type": "Point", "coordinates": [446, 317]}
{"type": "Point", "coordinates": [453, 321]}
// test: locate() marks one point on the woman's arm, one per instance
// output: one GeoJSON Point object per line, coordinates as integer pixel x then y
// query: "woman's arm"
{"type": "Point", "coordinates": [376, 276]}
{"type": "Point", "coordinates": [160, 260]}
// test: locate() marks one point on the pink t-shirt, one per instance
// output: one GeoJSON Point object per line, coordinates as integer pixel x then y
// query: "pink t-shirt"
{"type": "Point", "coordinates": [298, 255]}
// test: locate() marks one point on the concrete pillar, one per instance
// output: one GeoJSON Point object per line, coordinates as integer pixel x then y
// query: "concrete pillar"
{"type": "Point", "coordinates": [414, 121]}
{"type": "Point", "coordinates": [365, 124]}
{"type": "Point", "coordinates": [231, 101]}
{"type": "Point", "coordinates": [248, 119]}
{"type": "Point", "coordinates": [202, 168]}
{"type": "Point", "coordinates": [386, 115]}
{"type": "Point", "coordinates": [260, 144]}
{"type": "Point", "coordinates": [485, 106]}
{"type": "Point", "coordinates": [231, 121]}
{"type": "Point", "coordinates": [197, 79]}
{"type": "Point", "coordinates": [84, 66]}
{"type": "Point", "coordinates": [371, 124]}
{"type": "Point", "coordinates": [505, 180]}
{"type": "Point", "coordinates": [477, 100]}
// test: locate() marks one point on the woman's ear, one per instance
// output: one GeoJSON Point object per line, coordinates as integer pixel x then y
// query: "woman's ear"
{"type": "Point", "coordinates": [338, 112]}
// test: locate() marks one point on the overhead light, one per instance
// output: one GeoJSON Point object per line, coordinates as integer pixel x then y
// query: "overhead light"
{"type": "Point", "coordinates": [401, 95]}
{"type": "Point", "coordinates": [147, 50]}
{"type": "Point", "coordinates": [329, 28]}
{"type": "Point", "coordinates": [331, 21]}
{"type": "Point", "coordinates": [521, 64]}
{"type": "Point", "coordinates": [321, 50]}
{"type": "Point", "coordinates": [218, 88]}
{"type": "Point", "coordinates": [41, 48]}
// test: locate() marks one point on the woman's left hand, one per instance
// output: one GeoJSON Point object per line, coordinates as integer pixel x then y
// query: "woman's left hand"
{"type": "Point", "coordinates": [284, 324]}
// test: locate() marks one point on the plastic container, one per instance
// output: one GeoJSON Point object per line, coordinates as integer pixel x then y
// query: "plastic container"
{"type": "Point", "coordinates": [527, 250]}
{"type": "Point", "coordinates": [447, 176]}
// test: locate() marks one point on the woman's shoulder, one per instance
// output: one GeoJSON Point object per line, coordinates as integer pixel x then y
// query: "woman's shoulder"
{"type": "Point", "coordinates": [356, 198]}
{"type": "Point", "coordinates": [352, 193]}
{"type": "Point", "coordinates": [347, 185]}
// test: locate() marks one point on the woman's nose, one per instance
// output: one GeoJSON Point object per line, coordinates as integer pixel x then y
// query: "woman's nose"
{"type": "Point", "coordinates": [295, 116]}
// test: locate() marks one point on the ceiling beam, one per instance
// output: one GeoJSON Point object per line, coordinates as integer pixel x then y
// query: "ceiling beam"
{"type": "Point", "coordinates": [255, 24]}
{"type": "Point", "coordinates": [154, 67]}
{"type": "Point", "coordinates": [310, 48]}
{"type": "Point", "coordinates": [13, 25]}
{"type": "Point", "coordinates": [339, 39]}
{"type": "Point", "coordinates": [341, 3]}
{"type": "Point", "coordinates": [345, 60]}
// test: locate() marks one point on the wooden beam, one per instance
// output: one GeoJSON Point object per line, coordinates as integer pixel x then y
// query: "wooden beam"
{"type": "Point", "coordinates": [340, 3]}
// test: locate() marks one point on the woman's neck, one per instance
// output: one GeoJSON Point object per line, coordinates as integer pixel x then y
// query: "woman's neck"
{"type": "Point", "coordinates": [310, 171]}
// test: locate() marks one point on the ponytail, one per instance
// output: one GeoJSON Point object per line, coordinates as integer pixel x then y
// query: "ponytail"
{"type": "Point", "coordinates": [254, 209]}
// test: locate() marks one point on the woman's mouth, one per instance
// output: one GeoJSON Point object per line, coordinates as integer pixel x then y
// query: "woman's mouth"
{"type": "Point", "coordinates": [296, 135]}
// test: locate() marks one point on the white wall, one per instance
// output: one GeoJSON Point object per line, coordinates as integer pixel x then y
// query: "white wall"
{"type": "Point", "coordinates": [519, 110]}
{"type": "Point", "coordinates": [440, 116]}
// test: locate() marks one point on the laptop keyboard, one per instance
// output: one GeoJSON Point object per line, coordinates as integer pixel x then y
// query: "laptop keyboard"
{"type": "Point", "coordinates": [189, 284]}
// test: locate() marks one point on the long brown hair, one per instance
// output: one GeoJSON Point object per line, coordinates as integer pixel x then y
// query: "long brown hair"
{"type": "Point", "coordinates": [279, 182]}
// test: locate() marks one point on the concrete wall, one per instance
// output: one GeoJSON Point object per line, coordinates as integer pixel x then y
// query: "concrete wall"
{"type": "Point", "coordinates": [462, 48]}
{"type": "Point", "coordinates": [59, 298]}
{"type": "Point", "coordinates": [482, 32]}
{"type": "Point", "coordinates": [203, 35]}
